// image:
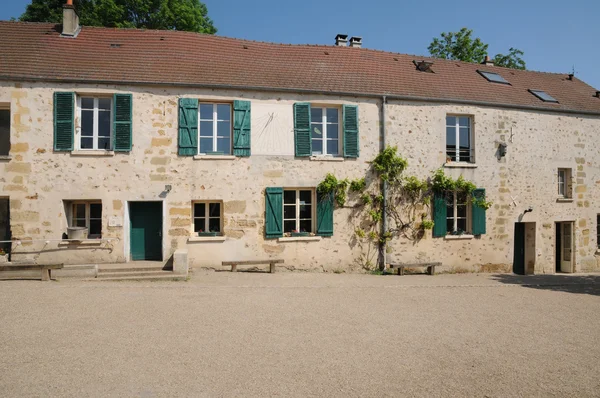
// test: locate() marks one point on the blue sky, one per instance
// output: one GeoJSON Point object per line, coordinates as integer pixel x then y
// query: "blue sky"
{"type": "Point", "coordinates": [555, 35]}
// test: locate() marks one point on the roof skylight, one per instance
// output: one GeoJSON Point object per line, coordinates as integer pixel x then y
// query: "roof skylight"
{"type": "Point", "coordinates": [544, 96]}
{"type": "Point", "coordinates": [493, 77]}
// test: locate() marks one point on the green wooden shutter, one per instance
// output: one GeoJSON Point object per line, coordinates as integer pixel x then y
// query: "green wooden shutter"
{"type": "Point", "coordinates": [478, 213]}
{"type": "Point", "coordinates": [439, 215]}
{"type": "Point", "coordinates": [302, 127]}
{"type": "Point", "coordinates": [188, 126]}
{"type": "Point", "coordinates": [350, 118]}
{"type": "Point", "coordinates": [241, 128]}
{"type": "Point", "coordinates": [64, 121]}
{"type": "Point", "coordinates": [122, 124]}
{"type": "Point", "coordinates": [274, 212]}
{"type": "Point", "coordinates": [325, 214]}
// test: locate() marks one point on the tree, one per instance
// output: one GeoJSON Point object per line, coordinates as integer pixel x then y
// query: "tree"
{"type": "Point", "coordinates": [188, 15]}
{"type": "Point", "coordinates": [462, 47]}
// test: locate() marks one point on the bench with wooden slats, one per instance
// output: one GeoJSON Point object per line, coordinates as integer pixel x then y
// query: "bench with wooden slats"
{"type": "Point", "coordinates": [430, 267]}
{"type": "Point", "coordinates": [271, 263]}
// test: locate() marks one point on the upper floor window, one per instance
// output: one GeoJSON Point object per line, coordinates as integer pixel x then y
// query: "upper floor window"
{"type": "Point", "coordinates": [564, 183]}
{"type": "Point", "coordinates": [4, 131]}
{"type": "Point", "coordinates": [96, 123]}
{"type": "Point", "coordinates": [215, 129]}
{"type": "Point", "coordinates": [459, 139]}
{"type": "Point", "coordinates": [325, 131]}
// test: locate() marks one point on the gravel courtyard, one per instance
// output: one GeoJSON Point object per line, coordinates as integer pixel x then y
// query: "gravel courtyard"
{"type": "Point", "coordinates": [296, 334]}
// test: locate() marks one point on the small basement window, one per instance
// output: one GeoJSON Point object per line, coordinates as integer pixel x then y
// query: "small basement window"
{"type": "Point", "coordinates": [544, 96]}
{"type": "Point", "coordinates": [493, 77]}
{"type": "Point", "coordinates": [87, 214]}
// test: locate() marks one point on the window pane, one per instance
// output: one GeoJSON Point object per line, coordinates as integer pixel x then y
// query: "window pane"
{"type": "Point", "coordinates": [317, 130]}
{"type": "Point", "coordinates": [199, 225]}
{"type": "Point", "coordinates": [206, 145]}
{"type": "Point", "coordinates": [214, 224]}
{"type": "Point", "coordinates": [214, 210]}
{"type": "Point", "coordinates": [450, 120]}
{"type": "Point", "coordinates": [306, 197]}
{"type": "Point", "coordinates": [451, 137]}
{"type": "Point", "coordinates": [305, 226]}
{"type": "Point", "coordinates": [464, 138]}
{"type": "Point", "coordinates": [104, 124]}
{"type": "Point", "coordinates": [289, 197]}
{"type": "Point", "coordinates": [206, 129]}
{"type": "Point", "coordinates": [87, 103]}
{"type": "Point", "coordinates": [332, 115]}
{"type": "Point", "coordinates": [332, 130]}
{"type": "Point", "coordinates": [104, 103]}
{"type": "Point", "coordinates": [87, 123]}
{"type": "Point", "coordinates": [95, 210]}
{"type": "Point", "coordinates": [223, 145]}
{"type": "Point", "coordinates": [104, 143]}
{"type": "Point", "coordinates": [317, 147]}
{"type": "Point", "coordinates": [223, 112]}
{"type": "Point", "coordinates": [464, 121]}
{"type": "Point", "coordinates": [461, 211]}
{"type": "Point", "coordinates": [461, 198]}
{"type": "Point", "coordinates": [80, 222]}
{"type": "Point", "coordinates": [289, 226]}
{"type": "Point", "coordinates": [461, 224]}
{"type": "Point", "coordinates": [223, 129]}
{"type": "Point", "coordinates": [87, 143]}
{"type": "Point", "coordinates": [199, 209]}
{"type": "Point", "coordinates": [316, 115]}
{"type": "Point", "coordinates": [79, 210]}
{"type": "Point", "coordinates": [450, 225]}
{"type": "Point", "coordinates": [305, 211]}
{"type": "Point", "coordinates": [95, 227]}
{"type": "Point", "coordinates": [289, 211]}
{"type": "Point", "coordinates": [206, 111]}
{"type": "Point", "coordinates": [332, 147]}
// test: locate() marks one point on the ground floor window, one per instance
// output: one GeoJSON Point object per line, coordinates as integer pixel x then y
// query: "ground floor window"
{"type": "Point", "coordinates": [457, 213]}
{"type": "Point", "coordinates": [598, 230]}
{"type": "Point", "coordinates": [4, 131]}
{"type": "Point", "coordinates": [298, 210]}
{"type": "Point", "coordinates": [207, 217]}
{"type": "Point", "coordinates": [87, 214]}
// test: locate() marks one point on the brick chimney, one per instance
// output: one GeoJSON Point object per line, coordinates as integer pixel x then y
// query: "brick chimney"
{"type": "Point", "coordinates": [70, 25]}
{"type": "Point", "coordinates": [341, 40]}
{"type": "Point", "coordinates": [487, 61]}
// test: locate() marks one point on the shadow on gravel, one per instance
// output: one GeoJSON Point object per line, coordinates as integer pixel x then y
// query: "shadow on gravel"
{"type": "Point", "coordinates": [584, 284]}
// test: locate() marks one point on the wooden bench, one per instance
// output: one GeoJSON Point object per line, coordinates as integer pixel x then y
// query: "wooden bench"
{"type": "Point", "coordinates": [401, 267]}
{"type": "Point", "coordinates": [271, 263]}
{"type": "Point", "coordinates": [46, 269]}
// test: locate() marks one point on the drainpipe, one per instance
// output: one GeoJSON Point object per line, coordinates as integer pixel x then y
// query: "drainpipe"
{"type": "Point", "coordinates": [381, 255]}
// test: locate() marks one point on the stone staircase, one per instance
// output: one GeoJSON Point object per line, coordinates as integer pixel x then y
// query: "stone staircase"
{"type": "Point", "coordinates": [139, 270]}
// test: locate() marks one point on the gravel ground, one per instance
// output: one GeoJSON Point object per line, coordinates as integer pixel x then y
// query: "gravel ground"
{"type": "Point", "coordinates": [295, 334]}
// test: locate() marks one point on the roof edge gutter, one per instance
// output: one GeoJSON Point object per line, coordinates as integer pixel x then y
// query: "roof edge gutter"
{"type": "Point", "coordinates": [301, 91]}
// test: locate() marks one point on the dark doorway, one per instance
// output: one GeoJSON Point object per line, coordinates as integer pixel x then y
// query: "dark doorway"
{"type": "Point", "coordinates": [146, 230]}
{"type": "Point", "coordinates": [4, 132]}
{"type": "Point", "coordinates": [519, 249]}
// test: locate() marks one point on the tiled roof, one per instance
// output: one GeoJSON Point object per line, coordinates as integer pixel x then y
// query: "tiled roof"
{"type": "Point", "coordinates": [35, 51]}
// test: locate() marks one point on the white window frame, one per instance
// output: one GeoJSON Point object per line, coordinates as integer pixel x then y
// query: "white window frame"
{"type": "Point", "coordinates": [313, 209]}
{"type": "Point", "coordinates": [324, 138]}
{"type": "Point", "coordinates": [88, 217]}
{"type": "Point", "coordinates": [457, 138]}
{"type": "Point", "coordinates": [564, 175]}
{"type": "Point", "coordinates": [206, 215]}
{"type": "Point", "coordinates": [95, 131]}
{"type": "Point", "coordinates": [215, 120]}
{"type": "Point", "coordinates": [455, 217]}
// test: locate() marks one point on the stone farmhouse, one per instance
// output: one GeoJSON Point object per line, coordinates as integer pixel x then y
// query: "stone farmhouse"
{"type": "Point", "coordinates": [120, 145]}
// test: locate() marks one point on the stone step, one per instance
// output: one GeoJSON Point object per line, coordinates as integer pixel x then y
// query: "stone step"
{"type": "Point", "coordinates": [102, 270]}
{"type": "Point", "coordinates": [118, 274]}
{"type": "Point", "coordinates": [142, 276]}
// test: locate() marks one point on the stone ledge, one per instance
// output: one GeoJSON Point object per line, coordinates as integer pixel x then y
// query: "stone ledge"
{"type": "Point", "coordinates": [92, 153]}
{"type": "Point", "coordinates": [5, 158]}
{"type": "Point", "coordinates": [564, 200]}
{"type": "Point", "coordinates": [459, 165]}
{"type": "Point", "coordinates": [81, 242]}
{"type": "Point", "coordinates": [459, 237]}
{"type": "Point", "coordinates": [326, 159]}
{"type": "Point", "coordinates": [214, 157]}
{"type": "Point", "coordinates": [299, 239]}
{"type": "Point", "coordinates": [207, 239]}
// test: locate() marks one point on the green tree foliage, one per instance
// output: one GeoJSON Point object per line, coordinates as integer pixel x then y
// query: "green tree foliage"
{"type": "Point", "coordinates": [461, 46]}
{"type": "Point", "coordinates": [187, 15]}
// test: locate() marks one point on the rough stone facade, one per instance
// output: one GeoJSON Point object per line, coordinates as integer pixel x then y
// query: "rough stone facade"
{"type": "Point", "coordinates": [37, 180]}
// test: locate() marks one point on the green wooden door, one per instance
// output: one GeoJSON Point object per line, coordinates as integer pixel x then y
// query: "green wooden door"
{"type": "Point", "coordinates": [519, 249]}
{"type": "Point", "coordinates": [146, 230]}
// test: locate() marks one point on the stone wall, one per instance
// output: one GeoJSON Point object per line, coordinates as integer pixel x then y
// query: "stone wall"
{"type": "Point", "coordinates": [38, 180]}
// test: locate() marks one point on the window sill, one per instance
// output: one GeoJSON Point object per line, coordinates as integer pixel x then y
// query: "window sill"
{"type": "Point", "coordinates": [92, 153]}
{"type": "Point", "coordinates": [214, 157]}
{"type": "Point", "coordinates": [299, 239]}
{"type": "Point", "coordinates": [206, 239]}
{"type": "Point", "coordinates": [564, 200]}
{"type": "Point", "coordinates": [90, 242]}
{"type": "Point", "coordinates": [459, 237]}
{"type": "Point", "coordinates": [326, 158]}
{"type": "Point", "coordinates": [463, 165]}
{"type": "Point", "coordinates": [5, 157]}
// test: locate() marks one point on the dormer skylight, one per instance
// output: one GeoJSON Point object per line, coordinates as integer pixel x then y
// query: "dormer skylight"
{"type": "Point", "coordinates": [544, 96]}
{"type": "Point", "coordinates": [424, 66]}
{"type": "Point", "coordinates": [493, 77]}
